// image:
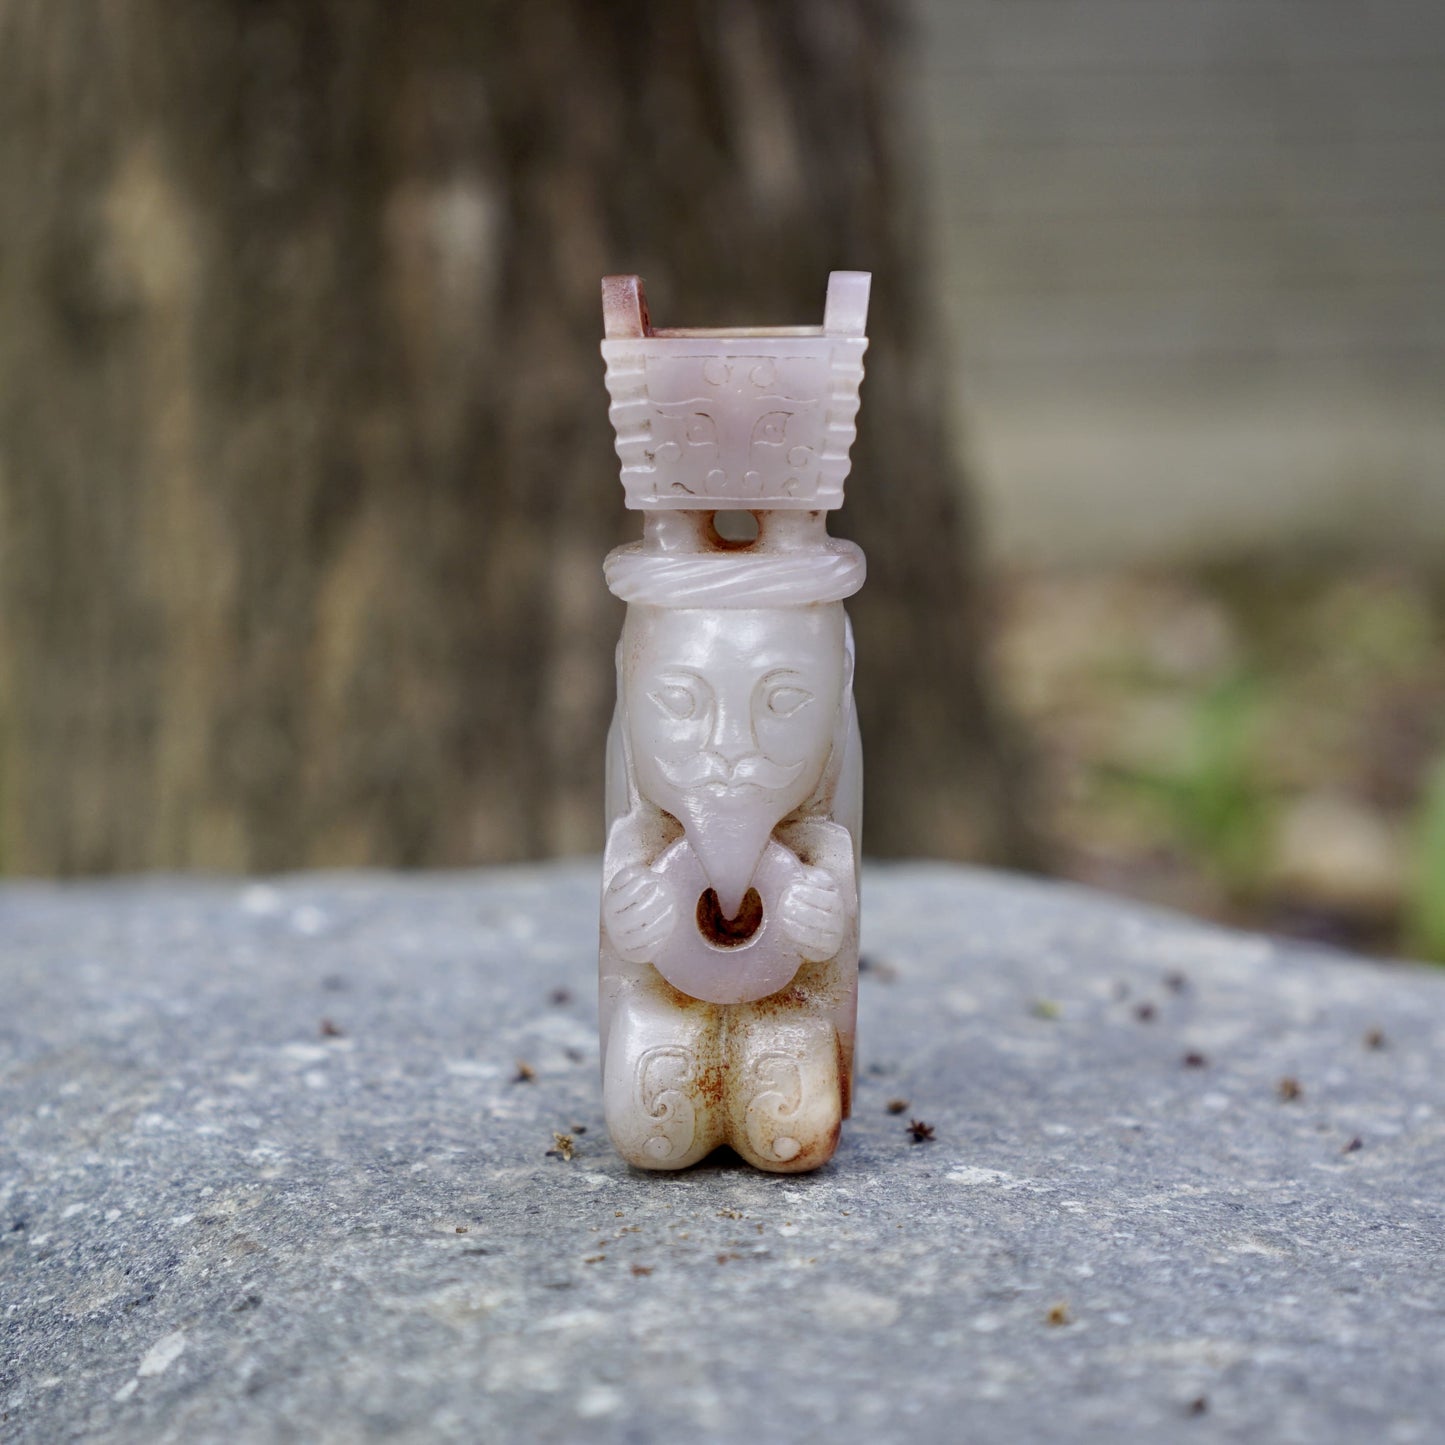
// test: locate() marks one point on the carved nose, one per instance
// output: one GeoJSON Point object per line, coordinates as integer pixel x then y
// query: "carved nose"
{"type": "Point", "coordinates": [732, 738]}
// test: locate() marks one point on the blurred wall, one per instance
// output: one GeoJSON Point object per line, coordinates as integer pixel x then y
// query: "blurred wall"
{"type": "Point", "coordinates": [1195, 265]}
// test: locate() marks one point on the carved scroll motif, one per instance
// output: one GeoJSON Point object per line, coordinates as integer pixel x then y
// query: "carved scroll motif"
{"type": "Point", "coordinates": [660, 1093]}
{"type": "Point", "coordinates": [778, 1078]}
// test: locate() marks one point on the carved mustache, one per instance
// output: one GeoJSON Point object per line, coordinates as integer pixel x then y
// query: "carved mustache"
{"type": "Point", "coordinates": [703, 768]}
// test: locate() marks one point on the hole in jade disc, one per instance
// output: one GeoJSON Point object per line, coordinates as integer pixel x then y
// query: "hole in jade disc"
{"type": "Point", "coordinates": [737, 528]}
{"type": "Point", "coordinates": [728, 932]}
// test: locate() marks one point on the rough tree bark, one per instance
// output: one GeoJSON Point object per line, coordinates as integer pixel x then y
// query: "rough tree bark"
{"type": "Point", "coordinates": [305, 475]}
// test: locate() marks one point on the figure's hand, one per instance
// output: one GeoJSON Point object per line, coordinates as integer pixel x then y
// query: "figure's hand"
{"type": "Point", "coordinates": [812, 914]}
{"type": "Point", "coordinates": [639, 912]}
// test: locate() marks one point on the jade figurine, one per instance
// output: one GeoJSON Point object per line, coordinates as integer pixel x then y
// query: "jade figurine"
{"type": "Point", "coordinates": [729, 929]}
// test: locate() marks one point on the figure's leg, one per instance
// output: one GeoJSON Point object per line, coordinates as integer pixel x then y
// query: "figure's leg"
{"type": "Point", "coordinates": [661, 1085]}
{"type": "Point", "coordinates": [784, 1092]}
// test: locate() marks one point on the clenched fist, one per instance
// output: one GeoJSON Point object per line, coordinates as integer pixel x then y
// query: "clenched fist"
{"type": "Point", "coordinates": [812, 914]}
{"type": "Point", "coordinates": [639, 912]}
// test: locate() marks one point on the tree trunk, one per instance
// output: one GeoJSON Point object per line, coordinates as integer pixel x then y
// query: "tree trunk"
{"type": "Point", "coordinates": [305, 471]}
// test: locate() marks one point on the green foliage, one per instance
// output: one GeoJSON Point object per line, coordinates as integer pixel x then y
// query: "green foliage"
{"type": "Point", "coordinates": [1214, 800]}
{"type": "Point", "coordinates": [1427, 904]}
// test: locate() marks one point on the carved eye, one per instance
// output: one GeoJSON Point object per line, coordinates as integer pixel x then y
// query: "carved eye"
{"type": "Point", "coordinates": [700, 429]}
{"type": "Point", "coordinates": [675, 700]}
{"type": "Point", "coordinates": [785, 700]}
{"type": "Point", "coordinates": [772, 427]}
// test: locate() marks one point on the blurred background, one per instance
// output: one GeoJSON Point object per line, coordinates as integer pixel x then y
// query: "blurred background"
{"type": "Point", "coordinates": [305, 474]}
{"type": "Point", "coordinates": [1194, 266]}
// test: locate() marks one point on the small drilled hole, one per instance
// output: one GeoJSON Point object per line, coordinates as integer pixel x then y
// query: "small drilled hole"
{"type": "Point", "coordinates": [739, 528]}
{"type": "Point", "coordinates": [729, 932]}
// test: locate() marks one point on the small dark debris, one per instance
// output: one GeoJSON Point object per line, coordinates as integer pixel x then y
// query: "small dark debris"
{"type": "Point", "coordinates": [594, 1259]}
{"type": "Point", "coordinates": [330, 1030]}
{"type": "Point", "coordinates": [1193, 1060]}
{"type": "Point", "coordinates": [1375, 1038]}
{"type": "Point", "coordinates": [881, 1071]}
{"type": "Point", "coordinates": [723, 1258]}
{"type": "Point", "coordinates": [729, 1214]}
{"type": "Point", "coordinates": [333, 983]}
{"type": "Point", "coordinates": [641, 1269]}
{"type": "Point", "coordinates": [1176, 982]}
{"type": "Point", "coordinates": [897, 1106]}
{"type": "Point", "coordinates": [246, 1302]}
{"type": "Point", "coordinates": [19, 1225]}
{"type": "Point", "coordinates": [1145, 1012]}
{"type": "Point", "coordinates": [561, 1147]}
{"type": "Point", "coordinates": [1353, 1146]}
{"type": "Point", "coordinates": [1289, 1088]}
{"type": "Point", "coordinates": [875, 968]}
{"type": "Point", "coordinates": [579, 1128]}
{"type": "Point", "coordinates": [1044, 1008]}
{"type": "Point", "coordinates": [1199, 1405]}
{"type": "Point", "coordinates": [461, 1229]}
{"type": "Point", "coordinates": [560, 997]}
{"type": "Point", "coordinates": [574, 1055]}
{"type": "Point", "coordinates": [525, 1073]}
{"type": "Point", "coordinates": [1059, 1314]}
{"type": "Point", "coordinates": [921, 1133]}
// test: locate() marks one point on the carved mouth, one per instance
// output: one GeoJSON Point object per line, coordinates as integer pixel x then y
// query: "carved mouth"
{"type": "Point", "coordinates": [707, 772]}
{"type": "Point", "coordinates": [719, 788]}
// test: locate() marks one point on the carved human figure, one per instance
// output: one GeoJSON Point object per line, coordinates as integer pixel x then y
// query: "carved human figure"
{"type": "Point", "coordinates": [733, 728]}
{"type": "Point", "coordinates": [731, 716]}
{"type": "Point", "coordinates": [729, 906]}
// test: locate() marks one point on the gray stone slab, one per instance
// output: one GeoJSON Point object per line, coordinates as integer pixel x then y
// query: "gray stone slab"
{"type": "Point", "coordinates": [222, 1219]}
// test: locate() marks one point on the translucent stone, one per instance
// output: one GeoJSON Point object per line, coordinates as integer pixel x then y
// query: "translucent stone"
{"type": "Point", "coordinates": [729, 949]}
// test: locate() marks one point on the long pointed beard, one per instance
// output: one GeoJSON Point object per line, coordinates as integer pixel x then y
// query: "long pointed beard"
{"type": "Point", "coordinates": [728, 844]}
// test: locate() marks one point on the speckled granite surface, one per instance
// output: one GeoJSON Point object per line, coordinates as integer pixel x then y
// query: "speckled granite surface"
{"type": "Point", "coordinates": [268, 1172]}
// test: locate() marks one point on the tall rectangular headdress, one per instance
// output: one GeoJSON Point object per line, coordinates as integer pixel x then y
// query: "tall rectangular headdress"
{"type": "Point", "coordinates": [735, 419]}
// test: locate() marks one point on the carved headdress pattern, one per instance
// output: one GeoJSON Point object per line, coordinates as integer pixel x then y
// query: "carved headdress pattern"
{"type": "Point", "coordinates": [735, 420]}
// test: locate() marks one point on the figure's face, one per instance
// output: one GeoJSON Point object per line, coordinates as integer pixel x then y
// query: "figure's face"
{"type": "Point", "coordinates": [731, 714]}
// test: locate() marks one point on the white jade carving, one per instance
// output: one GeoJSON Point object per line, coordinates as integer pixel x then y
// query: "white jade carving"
{"type": "Point", "coordinates": [729, 952]}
